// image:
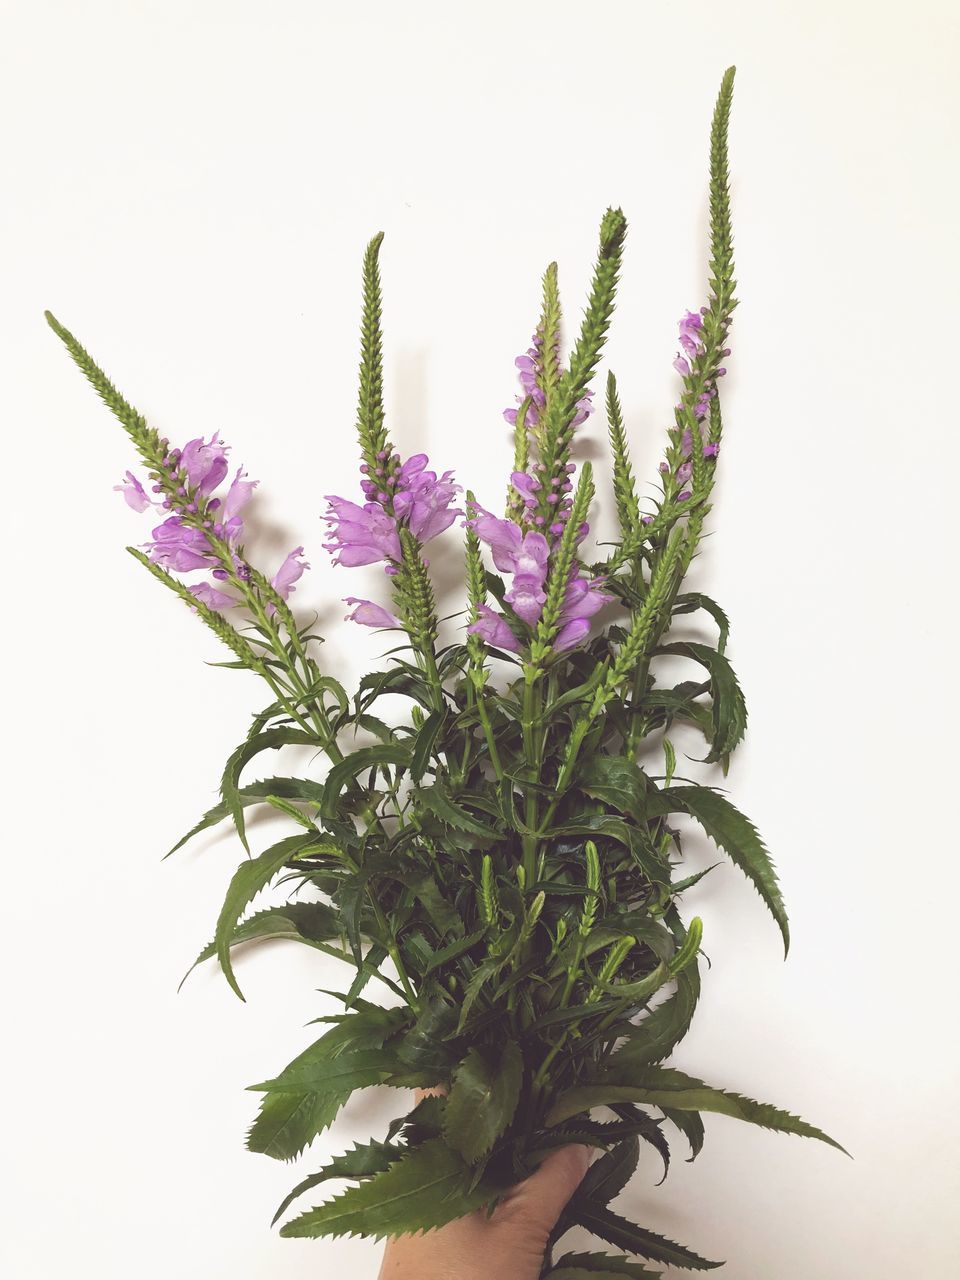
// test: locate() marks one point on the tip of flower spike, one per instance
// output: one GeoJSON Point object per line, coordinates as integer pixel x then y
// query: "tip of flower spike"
{"type": "Point", "coordinates": [55, 325]}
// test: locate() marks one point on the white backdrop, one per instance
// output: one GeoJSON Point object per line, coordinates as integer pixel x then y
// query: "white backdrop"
{"type": "Point", "coordinates": [189, 186]}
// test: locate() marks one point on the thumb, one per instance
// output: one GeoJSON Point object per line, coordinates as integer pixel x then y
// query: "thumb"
{"type": "Point", "coordinates": [547, 1191]}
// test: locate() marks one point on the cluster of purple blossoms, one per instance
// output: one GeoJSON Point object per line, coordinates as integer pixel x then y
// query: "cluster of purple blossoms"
{"type": "Point", "coordinates": [525, 554]}
{"type": "Point", "coordinates": [398, 494]}
{"type": "Point", "coordinates": [191, 475]}
{"type": "Point", "coordinates": [529, 368]}
{"type": "Point", "coordinates": [546, 498]}
{"type": "Point", "coordinates": [691, 340]}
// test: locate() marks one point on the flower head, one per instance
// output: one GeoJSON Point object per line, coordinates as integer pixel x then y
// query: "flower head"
{"type": "Point", "coordinates": [212, 596]}
{"type": "Point", "coordinates": [205, 463]}
{"type": "Point", "coordinates": [361, 535]}
{"type": "Point", "coordinates": [583, 598]}
{"type": "Point", "coordinates": [492, 628]}
{"type": "Point", "coordinates": [180, 546]}
{"type": "Point", "coordinates": [133, 492]}
{"type": "Point", "coordinates": [289, 572]}
{"type": "Point", "coordinates": [370, 614]}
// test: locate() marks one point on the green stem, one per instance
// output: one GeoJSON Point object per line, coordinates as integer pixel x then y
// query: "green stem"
{"type": "Point", "coordinates": [531, 713]}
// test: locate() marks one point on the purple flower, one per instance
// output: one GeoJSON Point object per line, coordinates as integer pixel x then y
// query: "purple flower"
{"type": "Point", "coordinates": [238, 495]}
{"type": "Point", "coordinates": [492, 628]}
{"type": "Point", "coordinates": [684, 472]}
{"type": "Point", "coordinates": [370, 614]}
{"type": "Point", "coordinates": [361, 535]}
{"type": "Point", "coordinates": [711, 450]}
{"type": "Point", "coordinates": [529, 367]}
{"type": "Point", "coordinates": [525, 485]}
{"type": "Point", "coordinates": [691, 327]}
{"type": "Point", "coordinates": [204, 463]}
{"type": "Point", "coordinates": [289, 572]}
{"type": "Point", "coordinates": [133, 492]}
{"type": "Point", "coordinates": [179, 546]}
{"type": "Point", "coordinates": [424, 500]}
{"type": "Point", "coordinates": [212, 596]}
{"type": "Point", "coordinates": [526, 596]}
{"type": "Point", "coordinates": [681, 366]}
{"type": "Point", "coordinates": [583, 598]}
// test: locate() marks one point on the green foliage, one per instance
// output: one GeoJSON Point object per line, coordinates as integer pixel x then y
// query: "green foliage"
{"type": "Point", "coordinates": [498, 860]}
{"type": "Point", "coordinates": [737, 836]}
{"type": "Point", "coordinates": [429, 1187]}
{"type": "Point", "coordinates": [483, 1099]}
{"type": "Point", "coordinates": [597, 1266]}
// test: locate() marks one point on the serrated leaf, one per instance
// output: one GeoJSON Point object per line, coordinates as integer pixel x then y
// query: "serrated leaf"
{"type": "Point", "coordinates": [437, 801]}
{"type": "Point", "coordinates": [656, 1036]}
{"type": "Point", "coordinates": [729, 710]}
{"type": "Point", "coordinates": [249, 878]}
{"type": "Point", "coordinates": [309, 922]}
{"type": "Point", "coordinates": [289, 1122]}
{"type": "Point", "coordinates": [353, 765]}
{"type": "Point", "coordinates": [618, 1231]}
{"type": "Point", "coordinates": [667, 1087]}
{"type": "Point", "coordinates": [453, 950]}
{"type": "Point", "coordinates": [606, 1178]}
{"type": "Point", "coordinates": [690, 601]}
{"type": "Point", "coordinates": [598, 1266]}
{"type": "Point", "coordinates": [690, 1125]}
{"type": "Point", "coordinates": [483, 1099]}
{"type": "Point", "coordinates": [428, 1188]}
{"type": "Point", "coordinates": [354, 1069]}
{"type": "Point", "coordinates": [270, 739]}
{"type": "Point", "coordinates": [736, 835]}
{"type": "Point", "coordinates": [617, 781]}
{"type": "Point", "coordinates": [255, 793]}
{"type": "Point", "coordinates": [425, 744]}
{"type": "Point", "coordinates": [361, 1161]}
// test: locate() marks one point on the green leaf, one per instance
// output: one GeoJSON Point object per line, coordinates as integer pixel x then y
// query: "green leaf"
{"type": "Point", "coordinates": [607, 1178]}
{"type": "Point", "coordinates": [594, 824]}
{"type": "Point", "coordinates": [361, 1161]}
{"type": "Point", "coordinates": [598, 1266]}
{"type": "Point", "coordinates": [483, 1099]}
{"type": "Point", "coordinates": [428, 1188]}
{"type": "Point", "coordinates": [733, 832]}
{"type": "Point", "coordinates": [618, 1231]}
{"type": "Point", "coordinates": [271, 739]}
{"type": "Point", "coordinates": [729, 708]}
{"type": "Point", "coordinates": [453, 950]}
{"type": "Point", "coordinates": [437, 801]}
{"type": "Point", "coordinates": [255, 793]}
{"type": "Point", "coordinates": [617, 781]}
{"type": "Point", "coordinates": [656, 1036]}
{"type": "Point", "coordinates": [690, 1125]}
{"type": "Point", "coordinates": [665, 1086]}
{"type": "Point", "coordinates": [353, 765]}
{"type": "Point", "coordinates": [690, 601]}
{"type": "Point", "coordinates": [309, 922]}
{"type": "Point", "coordinates": [425, 744]}
{"type": "Point", "coordinates": [288, 1122]}
{"type": "Point", "coordinates": [355, 1069]}
{"type": "Point", "coordinates": [249, 878]}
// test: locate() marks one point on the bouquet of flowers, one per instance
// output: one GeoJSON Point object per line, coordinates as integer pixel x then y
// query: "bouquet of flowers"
{"type": "Point", "coordinates": [499, 866]}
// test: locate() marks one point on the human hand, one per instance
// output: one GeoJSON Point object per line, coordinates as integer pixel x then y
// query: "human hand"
{"type": "Point", "coordinates": [509, 1245]}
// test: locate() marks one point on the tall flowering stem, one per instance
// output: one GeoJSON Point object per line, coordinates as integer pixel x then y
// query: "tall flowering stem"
{"type": "Point", "coordinates": [504, 856]}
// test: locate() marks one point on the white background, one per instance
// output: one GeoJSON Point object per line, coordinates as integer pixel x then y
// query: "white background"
{"type": "Point", "coordinates": [189, 186]}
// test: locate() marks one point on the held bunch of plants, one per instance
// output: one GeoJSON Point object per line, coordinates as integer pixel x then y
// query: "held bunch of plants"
{"type": "Point", "coordinates": [499, 866]}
